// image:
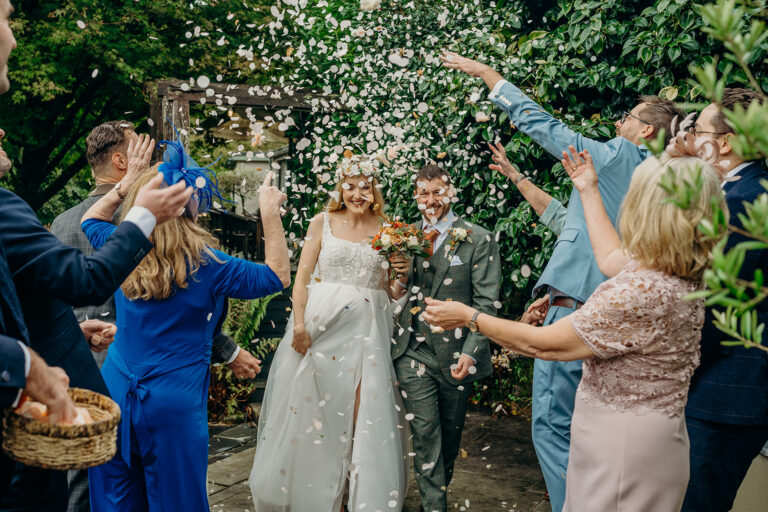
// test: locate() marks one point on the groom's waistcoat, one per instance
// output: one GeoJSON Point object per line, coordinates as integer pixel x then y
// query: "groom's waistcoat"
{"type": "Point", "coordinates": [465, 271]}
{"type": "Point", "coordinates": [423, 277]}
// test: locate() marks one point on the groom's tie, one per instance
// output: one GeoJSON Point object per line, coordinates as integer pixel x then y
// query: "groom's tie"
{"type": "Point", "coordinates": [431, 235]}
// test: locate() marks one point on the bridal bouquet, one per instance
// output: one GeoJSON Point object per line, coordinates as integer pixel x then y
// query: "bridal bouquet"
{"type": "Point", "coordinates": [399, 238]}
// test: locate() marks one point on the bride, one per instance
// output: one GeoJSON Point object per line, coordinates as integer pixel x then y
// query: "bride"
{"type": "Point", "coordinates": [331, 417]}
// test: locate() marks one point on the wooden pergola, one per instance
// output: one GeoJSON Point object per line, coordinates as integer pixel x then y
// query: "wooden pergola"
{"type": "Point", "coordinates": [170, 102]}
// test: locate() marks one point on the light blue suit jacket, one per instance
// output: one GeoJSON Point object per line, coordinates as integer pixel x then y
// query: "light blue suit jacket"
{"type": "Point", "coordinates": [572, 268]}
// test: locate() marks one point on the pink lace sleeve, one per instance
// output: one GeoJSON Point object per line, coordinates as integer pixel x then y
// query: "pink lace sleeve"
{"type": "Point", "coordinates": [624, 314]}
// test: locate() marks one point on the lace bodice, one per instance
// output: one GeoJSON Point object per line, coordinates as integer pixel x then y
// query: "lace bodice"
{"type": "Point", "coordinates": [645, 338]}
{"type": "Point", "coordinates": [356, 263]}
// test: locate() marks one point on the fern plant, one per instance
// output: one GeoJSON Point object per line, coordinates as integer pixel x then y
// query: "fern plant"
{"type": "Point", "coordinates": [244, 319]}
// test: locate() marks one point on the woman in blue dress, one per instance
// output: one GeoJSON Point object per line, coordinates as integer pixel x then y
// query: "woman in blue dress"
{"type": "Point", "coordinates": [157, 369]}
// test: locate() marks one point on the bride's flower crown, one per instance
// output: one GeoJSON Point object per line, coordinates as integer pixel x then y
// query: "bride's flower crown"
{"type": "Point", "coordinates": [358, 166]}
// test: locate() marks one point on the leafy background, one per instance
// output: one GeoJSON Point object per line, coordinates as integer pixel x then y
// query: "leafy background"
{"type": "Point", "coordinates": [584, 60]}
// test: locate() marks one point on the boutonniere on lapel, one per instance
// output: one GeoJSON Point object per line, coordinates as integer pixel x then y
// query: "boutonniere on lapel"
{"type": "Point", "coordinates": [459, 235]}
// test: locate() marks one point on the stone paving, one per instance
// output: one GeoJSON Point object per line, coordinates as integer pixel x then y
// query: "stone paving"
{"type": "Point", "coordinates": [496, 472]}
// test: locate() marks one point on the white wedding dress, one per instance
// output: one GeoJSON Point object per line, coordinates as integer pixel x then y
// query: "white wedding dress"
{"type": "Point", "coordinates": [308, 446]}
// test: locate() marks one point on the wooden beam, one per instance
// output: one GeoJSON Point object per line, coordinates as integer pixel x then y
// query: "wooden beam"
{"type": "Point", "coordinates": [241, 94]}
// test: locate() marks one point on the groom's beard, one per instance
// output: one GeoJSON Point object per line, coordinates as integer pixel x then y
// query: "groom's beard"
{"type": "Point", "coordinates": [436, 216]}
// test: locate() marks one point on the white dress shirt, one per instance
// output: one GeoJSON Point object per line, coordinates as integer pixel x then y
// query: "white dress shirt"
{"type": "Point", "coordinates": [733, 172]}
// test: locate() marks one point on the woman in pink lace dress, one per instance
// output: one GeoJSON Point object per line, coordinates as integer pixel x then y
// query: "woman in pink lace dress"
{"type": "Point", "coordinates": [638, 337]}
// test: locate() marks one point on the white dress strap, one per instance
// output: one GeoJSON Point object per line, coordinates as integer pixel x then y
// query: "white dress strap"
{"type": "Point", "coordinates": [326, 228]}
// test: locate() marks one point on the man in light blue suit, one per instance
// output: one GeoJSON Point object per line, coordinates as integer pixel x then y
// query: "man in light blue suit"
{"type": "Point", "coordinates": [571, 275]}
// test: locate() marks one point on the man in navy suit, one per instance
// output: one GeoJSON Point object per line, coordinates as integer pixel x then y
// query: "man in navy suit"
{"type": "Point", "coordinates": [727, 411]}
{"type": "Point", "coordinates": [50, 278]}
{"type": "Point", "coordinates": [21, 369]}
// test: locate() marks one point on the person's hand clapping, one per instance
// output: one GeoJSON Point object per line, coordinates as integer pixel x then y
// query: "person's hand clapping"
{"type": "Point", "coordinates": [580, 168]}
{"type": "Point", "coordinates": [301, 340]}
{"type": "Point", "coordinates": [536, 312]}
{"type": "Point", "coordinates": [99, 335]}
{"type": "Point", "coordinates": [164, 203]}
{"type": "Point", "coordinates": [139, 156]}
{"type": "Point", "coordinates": [270, 197]}
{"type": "Point", "coordinates": [502, 163]}
{"type": "Point", "coordinates": [453, 60]}
{"type": "Point", "coordinates": [448, 314]}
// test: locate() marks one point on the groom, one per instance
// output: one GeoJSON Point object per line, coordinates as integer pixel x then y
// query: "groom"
{"type": "Point", "coordinates": [436, 369]}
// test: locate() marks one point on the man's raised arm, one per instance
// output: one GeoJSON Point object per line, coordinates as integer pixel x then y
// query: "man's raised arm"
{"type": "Point", "coordinates": [527, 116]}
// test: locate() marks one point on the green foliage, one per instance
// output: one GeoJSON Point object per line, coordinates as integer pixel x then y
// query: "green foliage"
{"type": "Point", "coordinates": [227, 395]}
{"type": "Point", "coordinates": [508, 389]}
{"type": "Point", "coordinates": [583, 60]}
{"type": "Point", "coordinates": [244, 318]}
{"type": "Point", "coordinates": [83, 62]}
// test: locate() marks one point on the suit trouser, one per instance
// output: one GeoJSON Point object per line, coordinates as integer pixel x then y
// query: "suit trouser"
{"type": "Point", "coordinates": [77, 483]}
{"type": "Point", "coordinates": [720, 457]}
{"type": "Point", "coordinates": [554, 393]}
{"type": "Point", "coordinates": [439, 409]}
{"type": "Point", "coordinates": [35, 489]}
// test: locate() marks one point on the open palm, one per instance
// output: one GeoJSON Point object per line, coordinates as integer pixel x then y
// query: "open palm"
{"type": "Point", "coordinates": [580, 168]}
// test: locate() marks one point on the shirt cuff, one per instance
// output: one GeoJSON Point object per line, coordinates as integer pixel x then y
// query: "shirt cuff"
{"type": "Point", "coordinates": [552, 209]}
{"type": "Point", "coordinates": [143, 219]}
{"type": "Point", "coordinates": [27, 365]}
{"type": "Point", "coordinates": [497, 88]}
{"type": "Point", "coordinates": [472, 358]}
{"type": "Point", "coordinates": [234, 355]}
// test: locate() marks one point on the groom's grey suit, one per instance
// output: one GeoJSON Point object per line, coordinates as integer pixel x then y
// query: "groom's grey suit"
{"type": "Point", "coordinates": [469, 272]}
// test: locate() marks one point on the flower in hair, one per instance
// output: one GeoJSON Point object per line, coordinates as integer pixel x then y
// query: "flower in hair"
{"type": "Point", "coordinates": [686, 144]}
{"type": "Point", "coordinates": [358, 166]}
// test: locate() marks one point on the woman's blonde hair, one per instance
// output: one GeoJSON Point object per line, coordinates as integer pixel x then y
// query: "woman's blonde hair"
{"type": "Point", "coordinates": [180, 247]}
{"type": "Point", "coordinates": [337, 197]}
{"type": "Point", "coordinates": [659, 234]}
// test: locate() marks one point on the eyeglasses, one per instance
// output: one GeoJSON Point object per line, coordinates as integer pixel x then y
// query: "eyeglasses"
{"type": "Point", "coordinates": [625, 115]}
{"type": "Point", "coordinates": [694, 131]}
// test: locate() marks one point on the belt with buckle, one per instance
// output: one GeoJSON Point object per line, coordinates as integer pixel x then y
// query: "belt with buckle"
{"type": "Point", "coordinates": [566, 302]}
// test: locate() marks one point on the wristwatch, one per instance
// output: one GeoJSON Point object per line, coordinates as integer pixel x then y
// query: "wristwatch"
{"type": "Point", "coordinates": [118, 189]}
{"type": "Point", "coordinates": [520, 178]}
{"type": "Point", "coordinates": [473, 323]}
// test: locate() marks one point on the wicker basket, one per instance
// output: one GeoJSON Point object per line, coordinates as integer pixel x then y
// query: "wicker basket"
{"type": "Point", "coordinates": [63, 447]}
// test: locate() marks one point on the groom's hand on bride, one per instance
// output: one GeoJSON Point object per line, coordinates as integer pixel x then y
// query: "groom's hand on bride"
{"type": "Point", "coordinates": [301, 340]}
{"type": "Point", "coordinates": [462, 368]}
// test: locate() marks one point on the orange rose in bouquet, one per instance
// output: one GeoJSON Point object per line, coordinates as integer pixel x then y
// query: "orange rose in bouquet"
{"type": "Point", "coordinates": [399, 238]}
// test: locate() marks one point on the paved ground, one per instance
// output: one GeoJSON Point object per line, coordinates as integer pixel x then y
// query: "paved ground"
{"type": "Point", "coordinates": [497, 471]}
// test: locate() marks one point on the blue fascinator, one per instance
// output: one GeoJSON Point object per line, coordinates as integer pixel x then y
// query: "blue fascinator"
{"type": "Point", "coordinates": [179, 166]}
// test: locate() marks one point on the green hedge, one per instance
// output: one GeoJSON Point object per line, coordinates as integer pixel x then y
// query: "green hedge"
{"type": "Point", "coordinates": [585, 61]}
